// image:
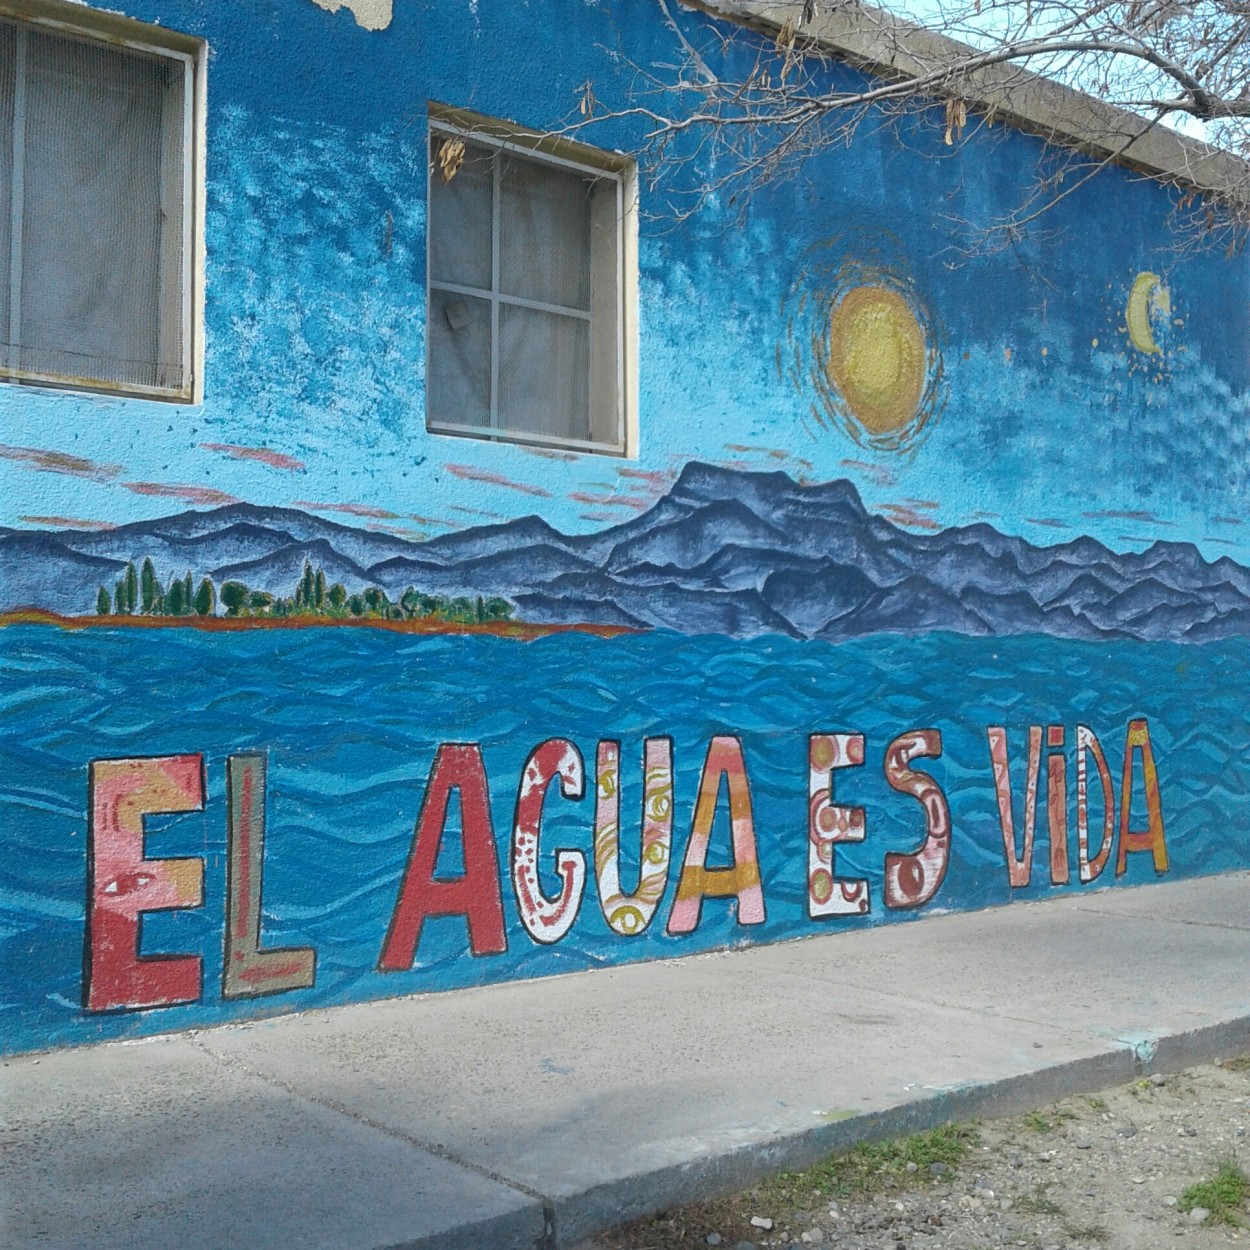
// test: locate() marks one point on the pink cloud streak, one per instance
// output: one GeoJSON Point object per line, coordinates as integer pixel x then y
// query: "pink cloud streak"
{"type": "Point", "coordinates": [470, 474]}
{"type": "Point", "coordinates": [274, 459]}
{"type": "Point", "coordinates": [47, 461]}
{"type": "Point", "coordinates": [350, 509]}
{"type": "Point", "coordinates": [609, 501]}
{"type": "Point", "coordinates": [190, 494]}
{"type": "Point", "coordinates": [68, 523]}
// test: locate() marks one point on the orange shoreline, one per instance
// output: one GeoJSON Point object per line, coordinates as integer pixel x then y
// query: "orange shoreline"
{"type": "Point", "coordinates": [518, 630]}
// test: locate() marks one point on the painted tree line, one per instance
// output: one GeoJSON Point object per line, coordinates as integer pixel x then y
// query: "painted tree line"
{"type": "Point", "coordinates": [140, 593]}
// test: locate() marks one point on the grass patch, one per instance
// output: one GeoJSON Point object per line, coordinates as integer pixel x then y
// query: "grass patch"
{"type": "Point", "coordinates": [1098, 1104]}
{"type": "Point", "coordinates": [1037, 1122]}
{"type": "Point", "coordinates": [1090, 1232]}
{"type": "Point", "coordinates": [1240, 1064]}
{"type": "Point", "coordinates": [1039, 1202]}
{"type": "Point", "coordinates": [1223, 1195]}
{"type": "Point", "coordinates": [870, 1167]}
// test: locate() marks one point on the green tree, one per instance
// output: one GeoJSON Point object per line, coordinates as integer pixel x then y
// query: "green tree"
{"type": "Point", "coordinates": [319, 591]}
{"type": "Point", "coordinates": [175, 601]}
{"type": "Point", "coordinates": [356, 605]}
{"type": "Point", "coordinates": [376, 601]}
{"type": "Point", "coordinates": [337, 596]}
{"type": "Point", "coordinates": [148, 587]}
{"type": "Point", "coordinates": [205, 599]}
{"type": "Point", "coordinates": [305, 593]}
{"type": "Point", "coordinates": [132, 588]}
{"type": "Point", "coordinates": [233, 597]}
{"type": "Point", "coordinates": [103, 606]}
{"type": "Point", "coordinates": [479, 609]}
{"type": "Point", "coordinates": [188, 593]}
{"type": "Point", "coordinates": [259, 602]}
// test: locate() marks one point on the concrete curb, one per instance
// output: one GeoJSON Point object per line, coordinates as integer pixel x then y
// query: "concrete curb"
{"type": "Point", "coordinates": [575, 1219]}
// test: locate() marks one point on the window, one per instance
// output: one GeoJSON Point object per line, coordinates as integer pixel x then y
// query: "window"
{"type": "Point", "coordinates": [530, 244]}
{"type": "Point", "coordinates": [99, 270]}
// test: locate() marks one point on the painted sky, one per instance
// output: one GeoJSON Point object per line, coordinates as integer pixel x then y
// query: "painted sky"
{"type": "Point", "coordinates": [1051, 421]}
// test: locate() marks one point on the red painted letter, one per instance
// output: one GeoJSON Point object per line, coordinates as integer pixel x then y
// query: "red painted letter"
{"type": "Point", "coordinates": [1018, 869]}
{"type": "Point", "coordinates": [122, 884]}
{"type": "Point", "coordinates": [476, 896]}
{"type": "Point", "coordinates": [912, 880]}
{"type": "Point", "coordinates": [1057, 805]}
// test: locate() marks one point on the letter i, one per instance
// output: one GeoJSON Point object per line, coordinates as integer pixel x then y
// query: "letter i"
{"type": "Point", "coordinates": [1057, 804]}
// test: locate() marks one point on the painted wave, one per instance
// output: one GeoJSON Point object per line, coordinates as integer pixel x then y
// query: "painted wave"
{"type": "Point", "coordinates": [350, 720]}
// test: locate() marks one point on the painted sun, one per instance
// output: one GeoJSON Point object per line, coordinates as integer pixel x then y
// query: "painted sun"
{"type": "Point", "coordinates": [865, 345]}
{"type": "Point", "coordinates": [877, 358]}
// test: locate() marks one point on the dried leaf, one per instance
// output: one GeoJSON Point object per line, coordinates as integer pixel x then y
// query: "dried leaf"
{"type": "Point", "coordinates": [586, 105]}
{"type": "Point", "coordinates": [450, 158]}
{"type": "Point", "coordinates": [956, 120]}
{"type": "Point", "coordinates": [785, 43]}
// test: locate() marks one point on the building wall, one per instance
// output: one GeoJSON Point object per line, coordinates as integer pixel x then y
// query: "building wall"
{"type": "Point", "coordinates": [833, 675]}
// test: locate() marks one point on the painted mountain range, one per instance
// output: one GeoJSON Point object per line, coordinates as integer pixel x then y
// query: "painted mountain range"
{"type": "Point", "coordinates": [723, 551]}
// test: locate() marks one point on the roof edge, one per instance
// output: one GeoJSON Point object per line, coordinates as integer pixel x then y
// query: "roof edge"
{"type": "Point", "coordinates": [881, 43]}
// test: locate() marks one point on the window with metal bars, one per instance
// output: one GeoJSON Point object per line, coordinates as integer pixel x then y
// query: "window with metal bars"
{"type": "Point", "coordinates": [96, 160]}
{"type": "Point", "coordinates": [526, 308]}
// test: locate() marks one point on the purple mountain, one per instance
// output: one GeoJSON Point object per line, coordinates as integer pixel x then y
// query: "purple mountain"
{"type": "Point", "coordinates": [725, 552]}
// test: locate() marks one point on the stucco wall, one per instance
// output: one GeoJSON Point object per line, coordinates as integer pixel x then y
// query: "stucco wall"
{"type": "Point", "coordinates": [1053, 406]}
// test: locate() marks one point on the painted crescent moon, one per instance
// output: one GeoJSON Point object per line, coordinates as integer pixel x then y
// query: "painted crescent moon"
{"type": "Point", "coordinates": [1148, 295]}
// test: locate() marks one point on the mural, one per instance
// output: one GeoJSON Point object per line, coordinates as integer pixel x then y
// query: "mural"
{"type": "Point", "coordinates": [927, 589]}
{"type": "Point", "coordinates": [813, 715]}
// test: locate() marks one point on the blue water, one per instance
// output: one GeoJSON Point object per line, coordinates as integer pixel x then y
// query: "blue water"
{"type": "Point", "coordinates": [351, 719]}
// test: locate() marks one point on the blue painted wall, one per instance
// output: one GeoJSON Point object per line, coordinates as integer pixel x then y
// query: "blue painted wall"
{"type": "Point", "coordinates": [1049, 425]}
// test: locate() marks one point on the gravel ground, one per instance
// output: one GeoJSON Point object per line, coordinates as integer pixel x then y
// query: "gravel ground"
{"type": "Point", "coordinates": [1098, 1171]}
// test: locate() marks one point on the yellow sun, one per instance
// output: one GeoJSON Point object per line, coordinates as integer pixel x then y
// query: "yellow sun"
{"type": "Point", "coordinates": [877, 358]}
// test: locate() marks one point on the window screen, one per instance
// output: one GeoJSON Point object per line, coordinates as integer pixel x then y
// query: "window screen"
{"type": "Point", "coordinates": [93, 189]}
{"type": "Point", "coordinates": [525, 296]}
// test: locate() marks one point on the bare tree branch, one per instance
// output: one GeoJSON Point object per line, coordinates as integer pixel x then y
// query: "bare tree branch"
{"type": "Point", "coordinates": [1094, 77]}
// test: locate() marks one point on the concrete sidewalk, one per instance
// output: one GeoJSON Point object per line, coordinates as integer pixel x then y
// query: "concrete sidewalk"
{"type": "Point", "coordinates": [538, 1113]}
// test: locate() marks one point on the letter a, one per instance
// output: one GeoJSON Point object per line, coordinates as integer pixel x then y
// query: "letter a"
{"type": "Point", "coordinates": [742, 880]}
{"type": "Point", "coordinates": [1151, 838]}
{"type": "Point", "coordinates": [476, 895]}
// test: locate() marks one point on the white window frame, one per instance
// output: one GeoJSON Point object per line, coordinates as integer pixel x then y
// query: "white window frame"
{"type": "Point", "coordinates": [448, 122]}
{"type": "Point", "coordinates": [75, 21]}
